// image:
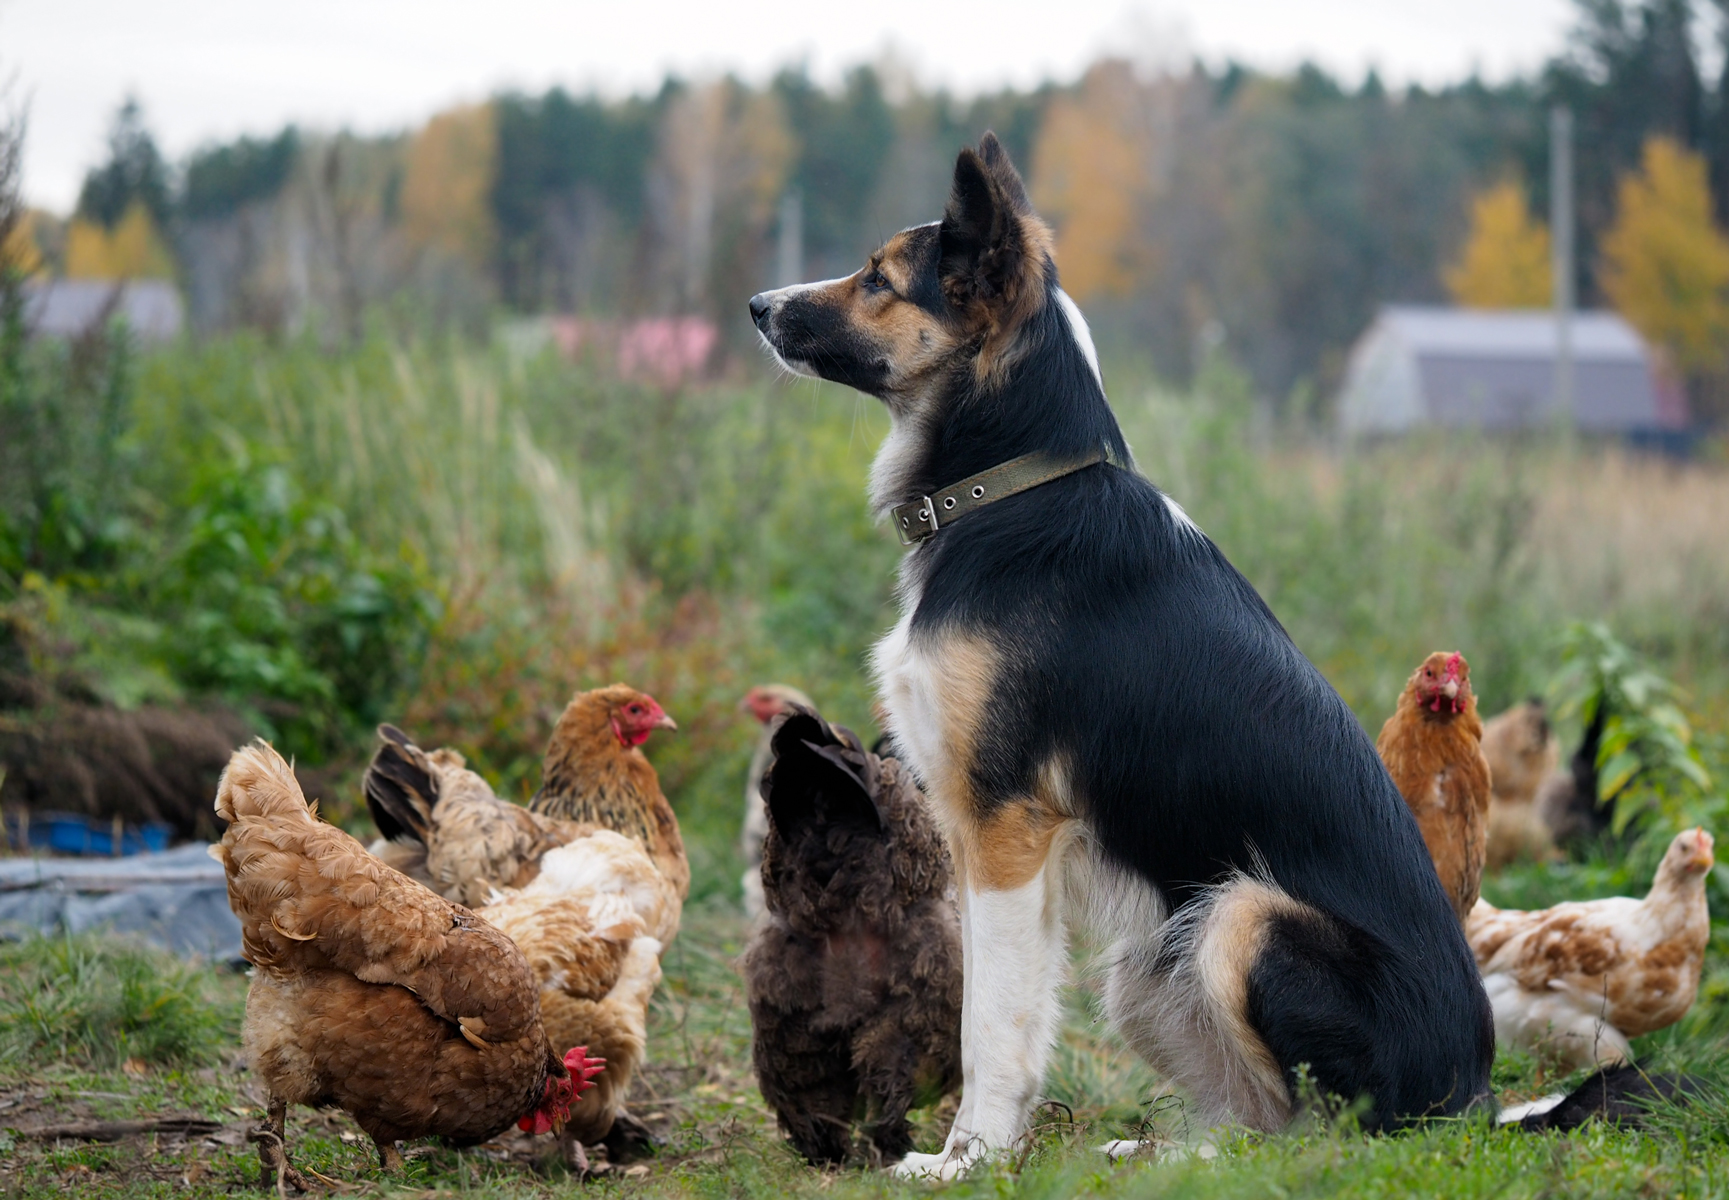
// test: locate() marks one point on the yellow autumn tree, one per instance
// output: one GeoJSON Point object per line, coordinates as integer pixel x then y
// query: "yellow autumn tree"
{"type": "Point", "coordinates": [1091, 178]}
{"type": "Point", "coordinates": [1505, 262]}
{"type": "Point", "coordinates": [21, 251]}
{"type": "Point", "coordinates": [133, 249]}
{"type": "Point", "coordinates": [1665, 263]}
{"type": "Point", "coordinates": [448, 182]}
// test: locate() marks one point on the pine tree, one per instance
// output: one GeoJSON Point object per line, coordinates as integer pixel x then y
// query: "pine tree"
{"type": "Point", "coordinates": [1665, 263]}
{"type": "Point", "coordinates": [133, 174]}
{"type": "Point", "coordinates": [1505, 261]}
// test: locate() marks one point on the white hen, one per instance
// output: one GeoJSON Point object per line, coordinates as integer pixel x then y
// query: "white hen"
{"type": "Point", "coordinates": [1576, 981]}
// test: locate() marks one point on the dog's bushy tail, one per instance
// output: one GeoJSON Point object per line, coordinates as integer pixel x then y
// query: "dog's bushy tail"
{"type": "Point", "coordinates": [1183, 1003]}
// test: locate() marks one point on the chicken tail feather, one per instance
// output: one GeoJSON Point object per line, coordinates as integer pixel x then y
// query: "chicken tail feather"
{"type": "Point", "coordinates": [401, 787]}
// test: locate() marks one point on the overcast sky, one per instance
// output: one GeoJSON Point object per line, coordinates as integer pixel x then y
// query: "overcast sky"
{"type": "Point", "coordinates": [208, 69]}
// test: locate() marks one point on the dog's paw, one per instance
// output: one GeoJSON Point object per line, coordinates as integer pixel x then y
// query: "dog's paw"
{"type": "Point", "coordinates": [938, 1168]}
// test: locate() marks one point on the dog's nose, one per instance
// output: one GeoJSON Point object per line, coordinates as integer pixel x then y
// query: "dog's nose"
{"type": "Point", "coordinates": [759, 308]}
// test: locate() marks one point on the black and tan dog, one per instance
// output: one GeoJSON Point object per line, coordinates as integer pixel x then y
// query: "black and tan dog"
{"type": "Point", "coordinates": [1112, 728]}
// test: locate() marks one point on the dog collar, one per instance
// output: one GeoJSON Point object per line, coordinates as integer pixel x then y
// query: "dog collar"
{"type": "Point", "coordinates": [919, 519]}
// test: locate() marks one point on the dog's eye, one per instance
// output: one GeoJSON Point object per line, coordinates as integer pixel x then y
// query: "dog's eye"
{"type": "Point", "coordinates": [876, 281]}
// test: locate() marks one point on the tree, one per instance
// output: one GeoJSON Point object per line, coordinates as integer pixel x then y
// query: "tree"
{"type": "Point", "coordinates": [1630, 73]}
{"type": "Point", "coordinates": [1665, 264]}
{"type": "Point", "coordinates": [133, 174]}
{"type": "Point", "coordinates": [447, 190]}
{"type": "Point", "coordinates": [132, 249]}
{"type": "Point", "coordinates": [1505, 262]}
{"type": "Point", "coordinates": [222, 179]}
{"type": "Point", "coordinates": [843, 142]}
{"type": "Point", "coordinates": [1092, 175]}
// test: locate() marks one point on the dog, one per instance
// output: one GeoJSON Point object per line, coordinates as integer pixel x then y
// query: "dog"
{"type": "Point", "coordinates": [1112, 728]}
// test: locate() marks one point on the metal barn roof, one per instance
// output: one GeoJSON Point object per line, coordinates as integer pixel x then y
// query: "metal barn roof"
{"type": "Point", "coordinates": [1496, 370]}
{"type": "Point", "coordinates": [68, 308]}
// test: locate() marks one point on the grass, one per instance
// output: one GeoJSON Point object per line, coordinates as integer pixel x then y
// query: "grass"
{"type": "Point", "coordinates": [716, 1137]}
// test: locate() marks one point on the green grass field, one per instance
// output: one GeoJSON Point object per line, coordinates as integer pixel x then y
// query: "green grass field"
{"type": "Point", "coordinates": [715, 1136]}
{"type": "Point", "coordinates": [456, 537]}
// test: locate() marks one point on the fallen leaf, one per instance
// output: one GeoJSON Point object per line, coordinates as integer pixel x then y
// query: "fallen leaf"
{"type": "Point", "coordinates": [636, 1172]}
{"type": "Point", "coordinates": [135, 1067]}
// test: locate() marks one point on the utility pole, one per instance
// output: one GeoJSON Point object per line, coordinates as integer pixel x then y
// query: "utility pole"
{"type": "Point", "coordinates": [1561, 243]}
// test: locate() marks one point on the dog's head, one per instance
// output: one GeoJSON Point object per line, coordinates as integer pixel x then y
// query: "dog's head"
{"type": "Point", "coordinates": [934, 301]}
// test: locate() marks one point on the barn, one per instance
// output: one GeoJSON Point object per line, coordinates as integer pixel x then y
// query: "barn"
{"type": "Point", "coordinates": [1495, 370]}
{"type": "Point", "coordinates": [70, 308]}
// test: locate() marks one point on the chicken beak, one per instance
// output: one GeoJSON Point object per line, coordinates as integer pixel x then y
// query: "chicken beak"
{"type": "Point", "coordinates": [665, 721]}
{"type": "Point", "coordinates": [1451, 688]}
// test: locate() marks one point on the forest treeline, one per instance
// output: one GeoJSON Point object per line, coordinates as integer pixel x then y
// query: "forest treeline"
{"type": "Point", "coordinates": [1267, 214]}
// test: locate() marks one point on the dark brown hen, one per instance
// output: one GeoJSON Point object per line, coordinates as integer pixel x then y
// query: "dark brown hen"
{"type": "Point", "coordinates": [854, 977]}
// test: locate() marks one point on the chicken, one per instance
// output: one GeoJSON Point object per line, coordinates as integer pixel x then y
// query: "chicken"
{"type": "Point", "coordinates": [586, 905]}
{"type": "Point", "coordinates": [370, 992]}
{"type": "Point", "coordinates": [594, 772]}
{"type": "Point", "coordinates": [1576, 981]}
{"type": "Point", "coordinates": [441, 824]}
{"type": "Point", "coordinates": [854, 975]}
{"type": "Point", "coordinates": [1522, 752]}
{"type": "Point", "coordinates": [1432, 745]}
{"type": "Point", "coordinates": [765, 702]}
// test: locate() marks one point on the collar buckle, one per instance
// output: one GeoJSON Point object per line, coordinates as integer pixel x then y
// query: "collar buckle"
{"type": "Point", "coordinates": [915, 520]}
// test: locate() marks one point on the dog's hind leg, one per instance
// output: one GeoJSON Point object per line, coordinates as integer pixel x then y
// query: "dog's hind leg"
{"type": "Point", "coordinates": [1015, 956]}
{"type": "Point", "coordinates": [1181, 1000]}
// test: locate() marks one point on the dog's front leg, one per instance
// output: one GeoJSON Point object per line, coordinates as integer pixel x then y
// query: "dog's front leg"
{"type": "Point", "coordinates": [1014, 955]}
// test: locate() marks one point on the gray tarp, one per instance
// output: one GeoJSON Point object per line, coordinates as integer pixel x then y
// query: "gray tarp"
{"type": "Point", "coordinates": [177, 900]}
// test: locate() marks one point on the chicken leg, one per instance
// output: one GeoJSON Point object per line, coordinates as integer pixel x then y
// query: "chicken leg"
{"type": "Point", "coordinates": [275, 1171]}
{"type": "Point", "coordinates": [570, 1149]}
{"type": "Point", "coordinates": [389, 1157]}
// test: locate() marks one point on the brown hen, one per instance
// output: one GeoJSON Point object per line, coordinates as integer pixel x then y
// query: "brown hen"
{"type": "Point", "coordinates": [1432, 745]}
{"type": "Point", "coordinates": [370, 992]}
{"type": "Point", "coordinates": [1522, 753]}
{"type": "Point", "coordinates": [594, 773]}
{"type": "Point", "coordinates": [586, 905]}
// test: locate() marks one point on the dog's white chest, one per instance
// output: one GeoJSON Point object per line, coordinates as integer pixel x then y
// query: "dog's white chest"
{"type": "Point", "coordinates": [911, 694]}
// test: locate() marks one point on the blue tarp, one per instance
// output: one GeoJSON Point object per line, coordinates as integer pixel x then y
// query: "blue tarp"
{"type": "Point", "coordinates": [177, 899]}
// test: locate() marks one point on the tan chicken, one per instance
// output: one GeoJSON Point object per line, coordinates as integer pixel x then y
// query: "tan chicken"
{"type": "Point", "coordinates": [1522, 752]}
{"type": "Point", "coordinates": [370, 992]}
{"type": "Point", "coordinates": [588, 907]}
{"type": "Point", "coordinates": [1432, 745]}
{"type": "Point", "coordinates": [1576, 981]}
{"type": "Point", "coordinates": [595, 773]}
{"type": "Point", "coordinates": [765, 702]}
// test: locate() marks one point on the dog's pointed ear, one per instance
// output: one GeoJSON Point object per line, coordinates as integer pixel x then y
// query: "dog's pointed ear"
{"type": "Point", "coordinates": [986, 254]}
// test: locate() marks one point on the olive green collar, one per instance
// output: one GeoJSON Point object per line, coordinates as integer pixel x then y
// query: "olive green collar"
{"type": "Point", "coordinates": [919, 519]}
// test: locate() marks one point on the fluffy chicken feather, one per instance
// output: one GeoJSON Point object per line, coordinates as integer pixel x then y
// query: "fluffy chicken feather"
{"type": "Point", "coordinates": [1432, 745]}
{"type": "Point", "coordinates": [587, 906]}
{"type": "Point", "coordinates": [370, 992]}
{"type": "Point", "coordinates": [1576, 981]}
